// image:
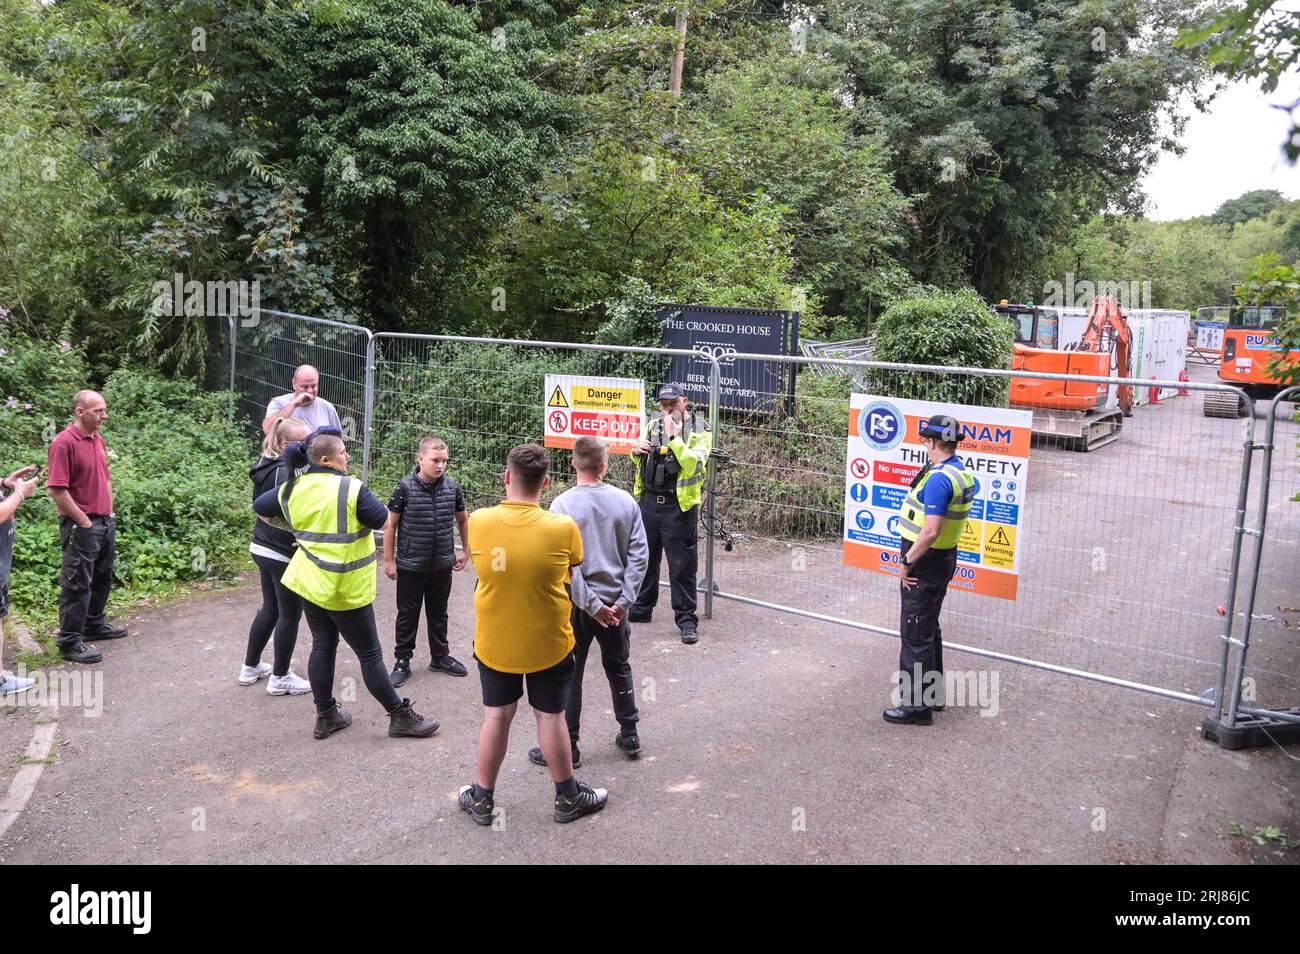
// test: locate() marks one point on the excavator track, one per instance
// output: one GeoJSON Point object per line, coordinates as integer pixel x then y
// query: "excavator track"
{"type": "Point", "coordinates": [1225, 404]}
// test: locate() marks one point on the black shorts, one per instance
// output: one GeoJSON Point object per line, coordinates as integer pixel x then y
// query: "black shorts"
{"type": "Point", "coordinates": [548, 689]}
{"type": "Point", "coordinates": [4, 600]}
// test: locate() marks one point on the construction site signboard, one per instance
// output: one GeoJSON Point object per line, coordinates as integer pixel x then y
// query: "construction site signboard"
{"type": "Point", "coordinates": [580, 406]}
{"type": "Point", "coordinates": [885, 453]}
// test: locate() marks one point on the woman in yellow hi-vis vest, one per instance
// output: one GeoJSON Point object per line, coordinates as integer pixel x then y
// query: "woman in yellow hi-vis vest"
{"type": "Point", "coordinates": [930, 524]}
{"type": "Point", "coordinates": [334, 569]}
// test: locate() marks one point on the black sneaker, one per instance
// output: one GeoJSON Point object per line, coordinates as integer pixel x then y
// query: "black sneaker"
{"type": "Point", "coordinates": [401, 672]}
{"type": "Point", "coordinates": [480, 811]}
{"type": "Point", "coordinates": [450, 665]}
{"type": "Point", "coordinates": [639, 617]}
{"type": "Point", "coordinates": [537, 758]}
{"type": "Point", "coordinates": [81, 653]}
{"type": "Point", "coordinates": [107, 631]}
{"type": "Point", "coordinates": [629, 744]}
{"type": "Point", "coordinates": [588, 801]}
{"type": "Point", "coordinates": [331, 721]}
{"type": "Point", "coordinates": [405, 722]}
{"type": "Point", "coordinates": [689, 635]}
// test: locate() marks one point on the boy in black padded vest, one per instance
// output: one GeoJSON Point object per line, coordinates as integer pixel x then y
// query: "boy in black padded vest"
{"type": "Point", "coordinates": [421, 556]}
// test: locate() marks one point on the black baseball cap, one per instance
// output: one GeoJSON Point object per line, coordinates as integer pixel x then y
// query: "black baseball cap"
{"type": "Point", "coordinates": [942, 427]}
{"type": "Point", "coordinates": [670, 392]}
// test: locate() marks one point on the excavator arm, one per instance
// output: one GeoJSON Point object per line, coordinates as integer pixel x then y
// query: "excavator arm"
{"type": "Point", "coordinates": [1106, 324]}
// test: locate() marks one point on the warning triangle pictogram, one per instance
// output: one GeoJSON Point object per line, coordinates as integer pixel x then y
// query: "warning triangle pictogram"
{"type": "Point", "coordinates": [557, 399]}
{"type": "Point", "coordinates": [1000, 538]}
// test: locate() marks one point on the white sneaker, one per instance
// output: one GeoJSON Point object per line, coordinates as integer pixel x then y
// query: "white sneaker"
{"type": "Point", "coordinates": [11, 684]}
{"type": "Point", "coordinates": [287, 685]}
{"type": "Point", "coordinates": [250, 674]}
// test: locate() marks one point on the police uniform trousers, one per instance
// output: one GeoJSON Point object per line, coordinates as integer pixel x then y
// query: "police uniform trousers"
{"type": "Point", "coordinates": [669, 531]}
{"type": "Point", "coordinates": [922, 637]}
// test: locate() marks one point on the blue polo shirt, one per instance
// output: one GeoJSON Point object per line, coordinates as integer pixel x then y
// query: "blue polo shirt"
{"type": "Point", "coordinates": [938, 490]}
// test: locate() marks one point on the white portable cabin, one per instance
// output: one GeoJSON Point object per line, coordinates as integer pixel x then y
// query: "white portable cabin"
{"type": "Point", "coordinates": [1159, 349]}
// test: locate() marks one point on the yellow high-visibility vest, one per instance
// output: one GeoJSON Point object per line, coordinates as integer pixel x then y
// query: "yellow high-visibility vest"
{"type": "Point", "coordinates": [691, 448]}
{"type": "Point", "coordinates": [333, 565]}
{"type": "Point", "coordinates": [912, 515]}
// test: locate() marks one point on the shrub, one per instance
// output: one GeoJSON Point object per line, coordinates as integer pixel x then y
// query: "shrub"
{"type": "Point", "coordinates": [952, 329]}
{"type": "Point", "coordinates": [179, 466]}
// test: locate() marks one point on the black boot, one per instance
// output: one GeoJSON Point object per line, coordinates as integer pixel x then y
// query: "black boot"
{"type": "Point", "coordinates": [909, 715]}
{"type": "Point", "coordinates": [80, 653]}
{"type": "Point", "coordinates": [330, 721]}
{"type": "Point", "coordinates": [405, 722]}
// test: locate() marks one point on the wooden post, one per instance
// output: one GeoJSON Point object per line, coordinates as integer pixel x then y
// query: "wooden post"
{"type": "Point", "coordinates": [675, 78]}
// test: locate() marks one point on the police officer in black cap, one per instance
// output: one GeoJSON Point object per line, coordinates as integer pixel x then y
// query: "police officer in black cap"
{"type": "Point", "coordinates": [930, 524]}
{"type": "Point", "coordinates": [669, 483]}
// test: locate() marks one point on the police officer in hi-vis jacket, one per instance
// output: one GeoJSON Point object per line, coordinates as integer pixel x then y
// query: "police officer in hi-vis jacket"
{"type": "Point", "coordinates": [930, 524]}
{"type": "Point", "coordinates": [670, 471]}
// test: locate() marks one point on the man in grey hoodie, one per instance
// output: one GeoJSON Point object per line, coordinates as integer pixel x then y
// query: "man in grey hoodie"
{"type": "Point", "coordinates": [603, 588]}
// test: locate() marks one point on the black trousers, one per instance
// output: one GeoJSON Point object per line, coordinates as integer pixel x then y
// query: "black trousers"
{"type": "Point", "coordinates": [281, 612]}
{"type": "Point", "coordinates": [87, 577]}
{"type": "Point", "coordinates": [669, 531]}
{"type": "Point", "coordinates": [922, 637]}
{"type": "Point", "coordinates": [432, 589]}
{"type": "Point", "coordinates": [358, 629]}
{"type": "Point", "coordinates": [615, 650]}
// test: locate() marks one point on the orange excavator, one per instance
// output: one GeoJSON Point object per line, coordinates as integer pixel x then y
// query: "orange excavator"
{"type": "Point", "coordinates": [1252, 358]}
{"type": "Point", "coordinates": [1072, 414]}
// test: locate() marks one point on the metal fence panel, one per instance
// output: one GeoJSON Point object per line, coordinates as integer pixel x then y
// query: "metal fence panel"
{"type": "Point", "coordinates": [1128, 549]}
{"type": "Point", "coordinates": [1128, 570]}
{"type": "Point", "coordinates": [272, 346]}
{"type": "Point", "coordinates": [484, 396]}
{"type": "Point", "coordinates": [1264, 676]}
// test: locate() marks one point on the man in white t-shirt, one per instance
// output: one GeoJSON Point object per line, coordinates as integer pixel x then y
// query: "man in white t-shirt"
{"type": "Point", "coordinates": [302, 404]}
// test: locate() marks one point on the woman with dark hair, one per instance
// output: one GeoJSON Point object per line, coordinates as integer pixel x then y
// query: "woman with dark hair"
{"type": "Point", "coordinates": [272, 549]}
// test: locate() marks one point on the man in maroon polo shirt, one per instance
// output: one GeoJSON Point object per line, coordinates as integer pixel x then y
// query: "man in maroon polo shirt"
{"type": "Point", "coordinates": [80, 486]}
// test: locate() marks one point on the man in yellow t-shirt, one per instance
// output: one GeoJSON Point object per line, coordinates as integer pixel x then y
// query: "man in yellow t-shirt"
{"type": "Point", "coordinates": [522, 555]}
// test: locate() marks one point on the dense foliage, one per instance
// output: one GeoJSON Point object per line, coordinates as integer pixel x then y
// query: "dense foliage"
{"type": "Point", "coordinates": [506, 168]}
{"type": "Point", "coordinates": [179, 467]}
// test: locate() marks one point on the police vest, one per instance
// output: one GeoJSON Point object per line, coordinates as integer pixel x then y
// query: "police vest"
{"type": "Point", "coordinates": [332, 565]}
{"type": "Point", "coordinates": [691, 462]}
{"type": "Point", "coordinates": [912, 515]}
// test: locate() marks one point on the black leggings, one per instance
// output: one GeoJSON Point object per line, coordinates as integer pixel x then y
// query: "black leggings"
{"type": "Point", "coordinates": [357, 627]}
{"type": "Point", "coordinates": [281, 611]}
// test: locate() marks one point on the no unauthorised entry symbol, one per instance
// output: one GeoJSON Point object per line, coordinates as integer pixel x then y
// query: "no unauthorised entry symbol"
{"type": "Point", "coordinates": [859, 468]}
{"type": "Point", "coordinates": [559, 421]}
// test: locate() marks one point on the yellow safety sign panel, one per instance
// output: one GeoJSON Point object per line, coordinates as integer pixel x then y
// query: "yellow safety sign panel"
{"type": "Point", "coordinates": [999, 545]}
{"type": "Point", "coordinates": [557, 399]}
{"type": "Point", "coordinates": [599, 397]}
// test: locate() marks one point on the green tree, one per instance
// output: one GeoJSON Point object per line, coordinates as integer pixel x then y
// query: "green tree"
{"type": "Point", "coordinates": [1011, 121]}
{"type": "Point", "coordinates": [418, 132]}
{"type": "Point", "coordinates": [138, 151]}
{"type": "Point", "coordinates": [773, 127]}
{"type": "Point", "coordinates": [617, 213]}
{"type": "Point", "coordinates": [1247, 206]}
